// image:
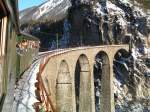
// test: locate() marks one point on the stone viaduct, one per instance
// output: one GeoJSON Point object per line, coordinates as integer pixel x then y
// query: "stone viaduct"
{"type": "Point", "coordinates": [69, 80]}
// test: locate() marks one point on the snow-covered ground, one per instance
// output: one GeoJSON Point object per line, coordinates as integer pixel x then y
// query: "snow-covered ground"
{"type": "Point", "coordinates": [25, 90]}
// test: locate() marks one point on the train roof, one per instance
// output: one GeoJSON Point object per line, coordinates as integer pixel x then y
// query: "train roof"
{"type": "Point", "coordinates": [28, 36]}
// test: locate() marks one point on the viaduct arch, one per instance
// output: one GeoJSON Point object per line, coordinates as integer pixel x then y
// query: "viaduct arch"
{"type": "Point", "coordinates": [71, 76]}
{"type": "Point", "coordinates": [63, 89]}
{"type": "Point", "coordinates": [101, 83]}
{"type": "Point", "coordinates": [82, 85]}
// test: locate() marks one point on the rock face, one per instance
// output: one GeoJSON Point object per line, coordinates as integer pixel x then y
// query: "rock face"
{"type": "Point", "coordinates": [131, 85]}
{"type": "Point", "coordinates": [107, 23]}
{"type": "Point", "coordinates": [84, 26]}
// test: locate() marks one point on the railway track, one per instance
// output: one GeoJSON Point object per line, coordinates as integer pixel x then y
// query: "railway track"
{"type": "Point", "coordinates": [25, 88]}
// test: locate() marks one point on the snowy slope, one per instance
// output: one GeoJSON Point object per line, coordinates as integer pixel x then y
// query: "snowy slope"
{"type": "Point", "coordinates": [25, 12]}
{"type": "Point", "coordinates": [50, 10]}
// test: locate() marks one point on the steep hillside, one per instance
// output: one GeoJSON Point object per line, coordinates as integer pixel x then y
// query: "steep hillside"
{"type": "Point", "coordinates": [51, 10]}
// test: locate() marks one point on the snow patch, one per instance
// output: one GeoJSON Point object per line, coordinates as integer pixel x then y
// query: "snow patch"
{"type": "Point", "coordinates": [112, 9]}
{"type": "Point", "coordinates": [48, 7]}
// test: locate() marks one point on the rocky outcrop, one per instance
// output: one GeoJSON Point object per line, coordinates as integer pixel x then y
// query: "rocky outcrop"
{"type": "Point", "coordinates": [107, 23]}
{"type": "Point", "coordinates": [132, 84]}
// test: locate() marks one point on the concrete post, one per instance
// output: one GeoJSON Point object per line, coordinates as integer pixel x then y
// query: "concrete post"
{"type": "Point", "coordinates": [107, 97]}
{"type": "Point", "coordinates": [92, 89]}
{"type": "Point", "coordinates": [112, 104]}
{"type": "Point", "coordinates": [64, 90]}
{"type": "Point", "coordinates": [64, 97]}
{"type": "Point", "coordinates": [85, 103]}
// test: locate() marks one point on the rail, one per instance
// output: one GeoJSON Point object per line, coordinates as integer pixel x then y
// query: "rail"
{"type": "Point", "coordinates": [45, 102]}
{"type": "Point", "coordinates": [44, 98]}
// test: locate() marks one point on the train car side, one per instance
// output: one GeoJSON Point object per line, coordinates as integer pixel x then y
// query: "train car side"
{"type": "Point", "coordinates": [27, 48]}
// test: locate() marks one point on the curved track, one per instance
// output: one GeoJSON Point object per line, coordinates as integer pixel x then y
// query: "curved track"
{"type": "Point", "coordinates": [25, 88]}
